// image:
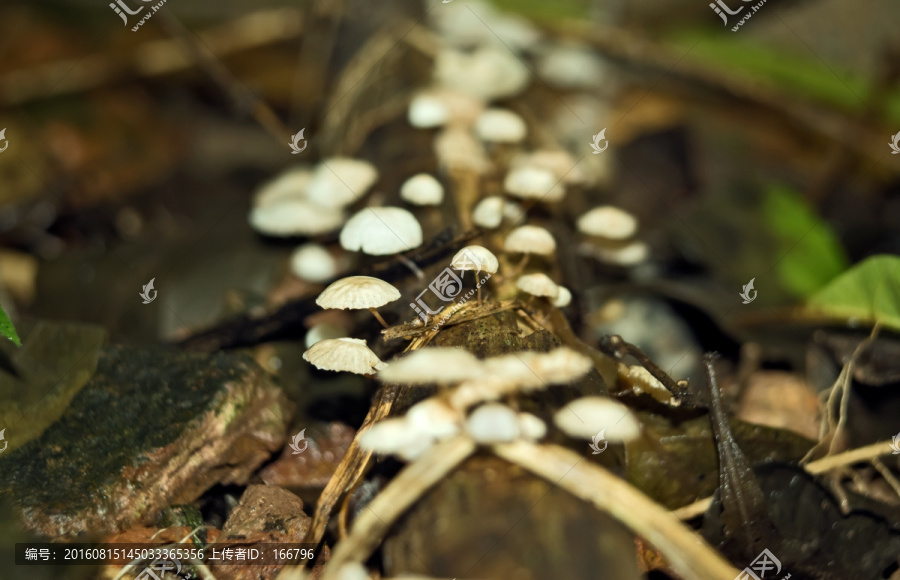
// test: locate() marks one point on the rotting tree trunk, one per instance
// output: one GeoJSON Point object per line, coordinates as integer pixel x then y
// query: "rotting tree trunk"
{"type": "Point", "coordinates": [492, 519]}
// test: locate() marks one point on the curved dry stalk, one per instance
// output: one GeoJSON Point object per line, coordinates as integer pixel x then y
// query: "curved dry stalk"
{"type": "Point", "coordinates": [402, 492]}
{"type": "Point", "coordinates": [858, 455]}
{"type": "Point", "coordinates": [687, 554]}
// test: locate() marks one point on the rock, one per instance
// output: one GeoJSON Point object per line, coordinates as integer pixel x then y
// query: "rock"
{"type": "Point", "coordinates": [311, 470]}
{"type": "Point", "coordinates": [151, 428]}
{"type": "Point", "coordinates": [266, 514]}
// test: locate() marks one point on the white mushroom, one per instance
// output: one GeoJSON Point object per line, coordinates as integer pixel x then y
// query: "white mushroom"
{"type": "Point", "coordinates": [343, 354]}
{"type": "Point", "coordinates": [478, 259]}
{"type": "Point", "coordinates": [538, 285]}
{"type": "Point", "coordinates": [352, 571]}
{"type": "Point", "coordinates": [500, 126]}
{"type": "Point", "coordinates": [610, 252]}
{"type": "Point", "coordinates": [457, 150]}
{"type": "Point", "coordinates": [443, 365]}
{"type": "Point", "coordinates": [530, 182]}
{"type": "Point", "coordinates": [493, 423]}
{"type": "Point", "coordinates": [396, 436]}
{"type": "Point", "coordinates": [427, 111]}
{"type": "Point", "coordinates": [535, 370]}
{"type": "Point", "coordinates": [289, 185]}
{"type": "Point", "coordinates": [529, 240]}
{"type": "Point", "coordinates": [422, 189]}
{"type": "Point", "coordinates": [434, 417]}
{"type": "Point", "coordinates": [313, 263]}
{"type": "Point", "coordinates": [531, 427]}
{"type": "Point", "coordinates": [608, 222]}
{"type": "Point", "coordinates": [489, 72]}
{"type": "Point", "coordinates": [563, 299]}
{"type": "Point", "coordinates": [572, 67]}
{"type": "Point", "coordinates": [295, 218]}
{"type": "Point", "coordinates": [489, 212]}
{"type": "Point", "coordinates": [358, 292]}
{"type": "Point", "coordinates": [477, 23]}
{"type": "Point", "coordinates": [438, 107]}
{"type": "Point", "coordinates": [381, 231]}
{"type": "Point", "coordinates": [561, 163]}
{"type": "Point", "coordinates": [338, 182]}
{"type": "Point", "coordinates": [583, 418]}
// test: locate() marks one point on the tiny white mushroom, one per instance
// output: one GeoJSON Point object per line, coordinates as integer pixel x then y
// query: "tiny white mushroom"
{"type": "Point", "coordinates": [457, 150]}
{"type": "Point", "coordinates": [489, 72]}
{"type": "Point", "coordinates": [500, 126]}
{"type": "Point", "coordinates": [295, 217]}
{"type": "Point", "coordinates": [427, 111]}
{"type": "Point", "coordinates": [289, 185]}
{"type": "Point", "coordinates": [434, 417]}
{"type": "Point", "coordinates": [530, 182]}
{"type": "Point", "coordinates": [313, 263]}
{"type": "Point", "coordinates": [629, 254]}
{"type": "Point", "coordinates": [381, 231]}
{"type": "Point", "coordinates": [478, 259]}
{"type": "Point", "coordinates": [338, 182]}
{"type": "Point", "coordinates": [395, 436]}
{"type": "Point", "coordinates": [608, 222]}
{"type": "Point", "coordinates": [352, 571]}
{"type": "Point", "coordinates": [422, 189]}
{"type": "Point", "coordinates": [538, 284]}
{"type": "Point", "coordinates": [585, 417]}
{"type": "Point", "coordinates": [564, 298]}
{"type": "Point", "coordinates": [529, 240]}
{"type": "Point", "coordinates": [443, 365]}
{"type": "Point", "coordinates": [493, 423]}
{"type": "Point", "coordinates": [489, 212]}
{"type": "Point", "coordinates": [358, 292]}
{"type": "Point", "coordinates": [536, 370]}
{"type": "Point", "coordinates": [563, 165]}
{"type": "Point", "coordinates": [532, 427]}
{"type": "Point", "coordinates": [343, 354]}
{"type": "Point", "coordinates": [572, 67]}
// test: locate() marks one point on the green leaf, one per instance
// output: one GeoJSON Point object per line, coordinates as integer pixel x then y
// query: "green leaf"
{"type": "Point", "coordinates": [869, 291]}
{"type": "Point", "coordinates": [810, 254]}
{"type": "Point", "coordinates": [7, 329]}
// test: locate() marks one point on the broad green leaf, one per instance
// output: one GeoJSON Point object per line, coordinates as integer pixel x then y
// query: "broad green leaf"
{"type": "Point", "coordinates": [810, 255]}
{"type": "Point", "coordinates": [7, 329]}
{"type": "Point", "coordinates": [869, 291]}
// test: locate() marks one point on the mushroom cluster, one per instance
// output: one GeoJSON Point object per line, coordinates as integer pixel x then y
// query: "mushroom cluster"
{"type": "Point", "coordinates": [471, 395]}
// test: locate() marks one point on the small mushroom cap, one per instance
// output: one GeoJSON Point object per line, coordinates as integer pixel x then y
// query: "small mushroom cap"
{"type": "Point", "coordinates": [343, 354]}
{"type": "Point", "coordinates": [356, 292]}
{"type": "Point", "coordinates": [289, 185]}
{"type": "Point", "coordinates": [608, 222]}
{"type": "Point", "coordinates": [422, 189]}
{"type": "Point", "coordinates": [564, 298]}
{"type": "Point", "coordinates": [642, 381]}
{"type": "Point", "coordinates": [395, 435]}
{"type": "Point", "coordinates": [536, 370]}
{"type": "Point", "coordinates": [531, 427]}
{"type": "Point", "coordinates": [488, 73]}
{"type": "Point", "coordinates": [444, 365]}
{"type": "Point", "coordinates": [489, 212]}
{"type": "Point", "coordinates": [493, 423]}
{"type": "Point", "coordinates": [381, 231]}
{"type": "Point", "coordinates": [561, 163]}
{"type": "Point", "coordinates": [313, 263]}
{"type": "Point", "coordinates": [500, 126]}
{"type": "Point", "coordinates": [572, 67]}
{"type": "Point", "coordinates": [352, 571]}
{"type": "Point", "coordinates": [338, 182]}
{"type": "Point", "coordinates": [538, 285]}
{"type": "Point", "coordinates": [434, 417]}
{"type": "Point", "coordinates": [530, 182]}
{"type": "Point", "coordinates": [427, 111]}
{"type": "Point", "coordinates": [295, 217]}
{"type": "Point", "coordinates": [530, 240]}
{"type": "Point", "coordinates": [619, 253]}
{"type": "Point", "coordinates": [457, 150]}
{"type": "Point", "coordinates": [583, 418]}
{"type": "Point", "coordinates": [475, 258]}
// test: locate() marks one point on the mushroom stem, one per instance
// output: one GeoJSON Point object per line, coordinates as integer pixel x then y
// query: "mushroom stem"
{"type": "Point", "coordinates": [412, 266]}
{"type": "Point", "coordinates": [378, 316]}
{"type": "Point", "coordinates": [479, 294]}
{"type": "Point", "coordinates": [520, 267]}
